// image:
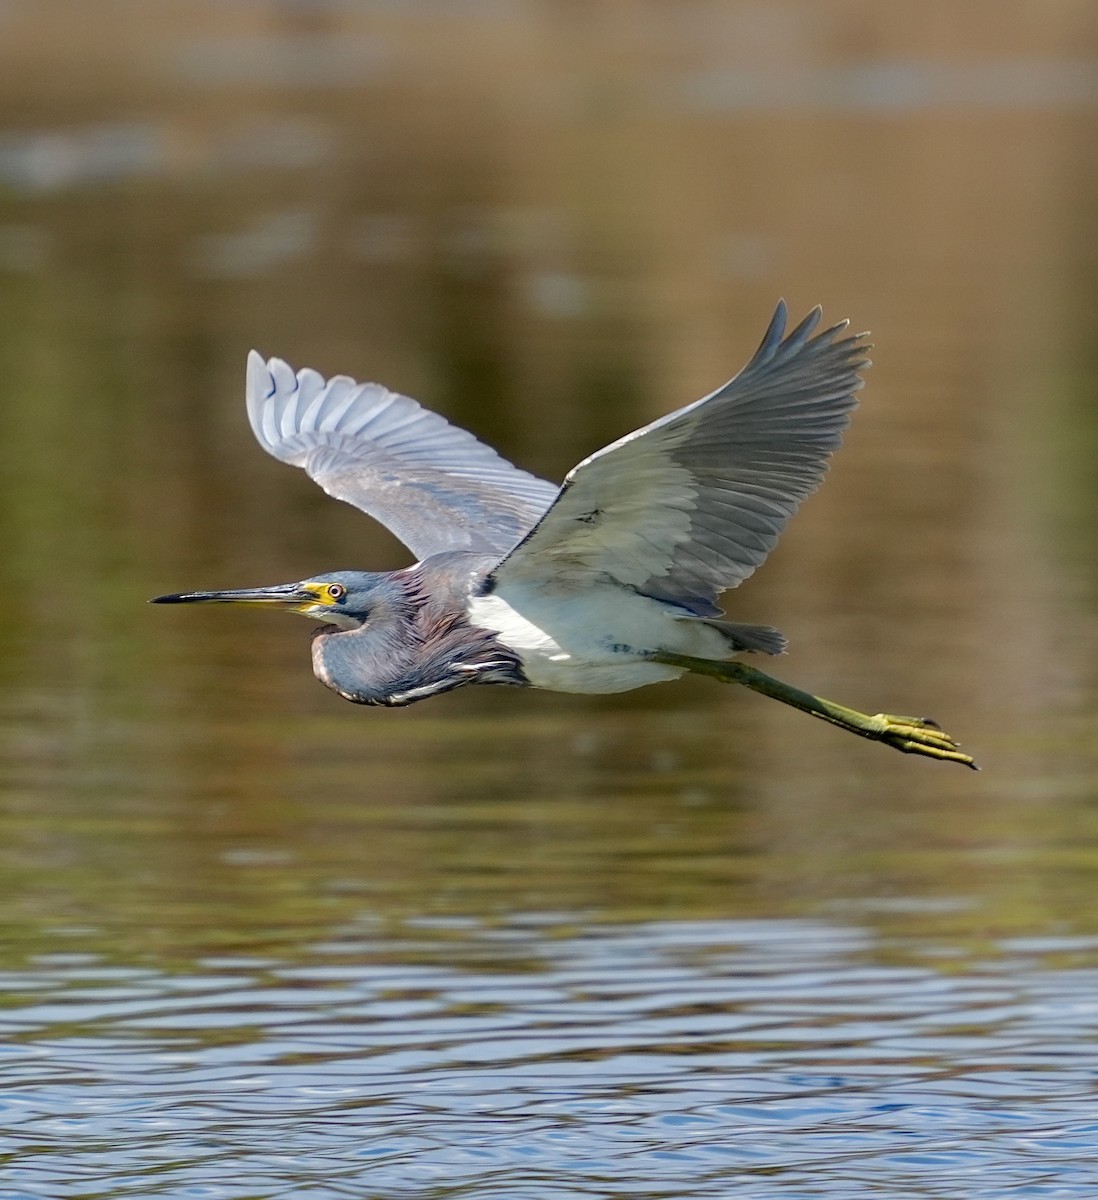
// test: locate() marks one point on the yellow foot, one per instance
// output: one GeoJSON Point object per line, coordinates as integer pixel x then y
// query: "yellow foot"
{"type": "Point", "coordinates": [917, 735]}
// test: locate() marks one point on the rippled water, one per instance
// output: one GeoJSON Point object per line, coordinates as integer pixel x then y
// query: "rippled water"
{"type": "Point", "coordinates": [534, 1058]}
{"type": "Point", "coordinates": [257, 943]}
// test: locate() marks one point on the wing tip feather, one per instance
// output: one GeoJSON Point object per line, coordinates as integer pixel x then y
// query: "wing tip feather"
{"type": "Point", "coordinates": [776, 340]}
{"type": "Point", "coordinates": [804, 330]}
{"type": "Point", "coordinates": [259, 388]}
{"type": "Point", "coordinates": [257, 370]}
{"type": "Point", "coordinates": [775, 332]}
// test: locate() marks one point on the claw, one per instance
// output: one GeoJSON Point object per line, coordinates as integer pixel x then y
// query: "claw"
{"type": "Point", "coordinates": [920, 735]}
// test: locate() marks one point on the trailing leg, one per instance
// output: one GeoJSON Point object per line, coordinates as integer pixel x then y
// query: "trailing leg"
{"type": "Point", "coordinates": [910, 735]}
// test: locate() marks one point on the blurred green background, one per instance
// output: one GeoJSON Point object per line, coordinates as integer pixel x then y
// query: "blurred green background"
{"type": "Point", "coordinates": [550, 221]}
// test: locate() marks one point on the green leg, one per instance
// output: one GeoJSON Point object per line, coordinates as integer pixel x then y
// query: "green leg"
{"type": "Point", "coordinates": [911, 735]}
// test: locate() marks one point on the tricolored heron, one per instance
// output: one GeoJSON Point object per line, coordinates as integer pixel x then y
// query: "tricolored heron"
{"type": "Point", "coordinates": [606, 583]}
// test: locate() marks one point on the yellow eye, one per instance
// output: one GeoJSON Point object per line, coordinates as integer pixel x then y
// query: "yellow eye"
{"type": "Point", "coordinates": [336, 591]}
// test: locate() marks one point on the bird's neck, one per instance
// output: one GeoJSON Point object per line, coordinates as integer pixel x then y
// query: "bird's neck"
{"type": "Point", "coordinates": [409, 651]}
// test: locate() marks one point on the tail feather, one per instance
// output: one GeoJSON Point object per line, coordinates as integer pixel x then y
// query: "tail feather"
{"type": "Point", "coordinates": [761, 639]}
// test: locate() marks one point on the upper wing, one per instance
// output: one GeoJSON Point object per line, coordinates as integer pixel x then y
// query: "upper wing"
{"type": "Point", "coordinates": [691, 504]}
{"type": "Point", "coordinates": [433, 485]}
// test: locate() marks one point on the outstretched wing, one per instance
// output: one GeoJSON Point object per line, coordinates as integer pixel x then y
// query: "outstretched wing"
{"type": "Point", "coordinates": [691, 504]}
{"type": "Point", "coordinates": [433, 485]}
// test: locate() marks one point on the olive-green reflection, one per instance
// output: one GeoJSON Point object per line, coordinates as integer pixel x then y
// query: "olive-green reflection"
{"type": "Point", "coordinates": [268, 837]}
{"type": "Point", "coordinates": [551, 237]}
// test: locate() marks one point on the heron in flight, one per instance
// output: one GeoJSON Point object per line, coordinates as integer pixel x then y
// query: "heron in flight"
{"type": "Point", "coordinates": [606, 583]}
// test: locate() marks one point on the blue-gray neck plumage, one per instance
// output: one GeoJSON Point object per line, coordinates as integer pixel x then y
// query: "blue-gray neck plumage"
{"type": "Point", "coordinates": [404, 635]}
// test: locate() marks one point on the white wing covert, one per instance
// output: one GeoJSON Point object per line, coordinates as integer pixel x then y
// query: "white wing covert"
{"type": "Point", "coordinates": [693, 503]}
{"type": "Point", "coordinates": [435, 486]}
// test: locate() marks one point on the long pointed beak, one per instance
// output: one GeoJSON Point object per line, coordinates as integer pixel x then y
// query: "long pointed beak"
{"type": "Point", "coordinates": [292, 596]}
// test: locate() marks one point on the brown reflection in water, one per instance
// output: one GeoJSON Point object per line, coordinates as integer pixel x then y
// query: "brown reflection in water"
{"type": "Point", "coordinates": [552, 223]}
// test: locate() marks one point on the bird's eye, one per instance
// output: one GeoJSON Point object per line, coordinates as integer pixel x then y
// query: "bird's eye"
{"type": "Point", "coordinates": [336, 591]}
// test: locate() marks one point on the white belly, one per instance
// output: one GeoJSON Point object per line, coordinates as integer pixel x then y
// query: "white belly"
{"type": "Point", "coordinates": [592, 640]}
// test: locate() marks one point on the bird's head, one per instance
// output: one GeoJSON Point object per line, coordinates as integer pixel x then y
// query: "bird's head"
{"type": "Point", "coordinates": [341, 598]}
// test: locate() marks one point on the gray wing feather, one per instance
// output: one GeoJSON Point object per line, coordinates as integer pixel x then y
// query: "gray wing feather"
{"type": "Point", "coordinates": [693, 503]}
{"type": "Point", "coordinates": [433, 485]}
